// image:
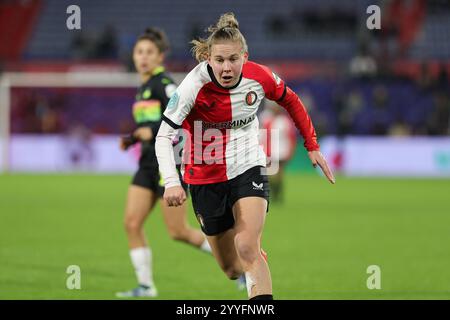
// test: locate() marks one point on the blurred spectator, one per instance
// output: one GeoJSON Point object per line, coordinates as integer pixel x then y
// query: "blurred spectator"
{"type": "Point", "coordinates": [277, 25]}
{"type": "Point", "coordinates": [30, 121]}
{"type": "Point", "coordinates": [425, 81]}
{"type": "Point", "coordinates": [443, 79]}
{"type": "Point", "coordinates": [195, 30]}
{"type": "Point", "coordinates": [86, 46]}
{"type": "Point", "coordinates": [380, 113]}
{"type": "Point", "coordinates": [401, 22]}
{"type": "Point", "coordinates": [329, 19]}
{"type": "Point", "coordinates": [348, 107]}
{"type": "Point", "coordinates": [34, 112]}
{"type": "Point", "coordinates": [438, 122]}
{"type": "Point", "coordinates": [107, 46]}
{"type": "Point", "coordinates": [400, 128]}
{"type": "Point", "coordinates": [363, 65]}
{"type": "Point", "coordinates": [438, 6]}
{"type": "Point", "coordinates": [319, 118]}
{"type": "Point", "coordinates": [82, 46]}
{"type": "Point", "coordinates": [48, 115]}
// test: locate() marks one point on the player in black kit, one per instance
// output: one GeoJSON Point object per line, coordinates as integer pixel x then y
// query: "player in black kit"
{"type": "Point", "coordinates": [147, 187]}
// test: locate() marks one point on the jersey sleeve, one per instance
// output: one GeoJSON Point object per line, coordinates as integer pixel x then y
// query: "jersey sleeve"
{"type": "Point", "coordinates": [276, 90]}
{"type": "Point", "coordinates": [178, 108]}
{"type": "Point", "coordinates": [180, 103]}
{"type": "Point", "coordinates": [165, 155]}
{"type": "Point", "coordinates": [166, 90]}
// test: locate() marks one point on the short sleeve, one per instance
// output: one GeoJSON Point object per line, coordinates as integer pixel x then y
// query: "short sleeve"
{"type": "Point", "coordinates": [180, 104]}
{"type": "Point", "coordinates": [168, 89]}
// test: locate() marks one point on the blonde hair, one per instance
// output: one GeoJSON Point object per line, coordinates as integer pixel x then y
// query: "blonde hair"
{"type": "Point", "coordinates": [227, 28]}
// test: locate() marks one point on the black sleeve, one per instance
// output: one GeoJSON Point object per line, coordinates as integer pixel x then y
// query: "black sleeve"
{"type": "Point", "coordinates": [165, 88]}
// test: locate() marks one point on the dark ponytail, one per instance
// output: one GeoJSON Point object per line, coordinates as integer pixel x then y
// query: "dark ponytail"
{"type": "Point", "coordinates": [157, 36]}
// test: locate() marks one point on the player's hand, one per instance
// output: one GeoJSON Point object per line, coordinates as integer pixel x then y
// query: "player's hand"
{"type": "Point", "coordinates": [143, 134]}
{"type": "Point", "coordinates": [174, 196]}
{"type": "Point", "coordinates": [317, 158]}
{"type": "Point", "coordinates": [126, 142]}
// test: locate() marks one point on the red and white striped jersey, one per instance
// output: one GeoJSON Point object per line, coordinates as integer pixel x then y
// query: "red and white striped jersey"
{"type": "Point", "coordinates": [221, 123]}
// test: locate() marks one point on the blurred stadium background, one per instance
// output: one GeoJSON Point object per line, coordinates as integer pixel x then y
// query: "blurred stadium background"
{"type": "Point", "coordinates": [379, 100]}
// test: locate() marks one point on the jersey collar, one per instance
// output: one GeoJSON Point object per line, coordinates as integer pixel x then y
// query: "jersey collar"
{"type": "Point", "coordinates": [213, 78]}
{"type": "Point", "coordinates": [158, 70]}
{"type": "Point", "coordinates": [155, 72]}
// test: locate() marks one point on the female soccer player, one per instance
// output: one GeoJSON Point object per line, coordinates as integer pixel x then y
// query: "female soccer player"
{"type": "Point", "coordinates": [216, 105]}
{"type": "Point", "coordinates": [145, 189]}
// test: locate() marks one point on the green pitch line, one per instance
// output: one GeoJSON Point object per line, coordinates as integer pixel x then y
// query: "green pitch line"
{"type": "Point", "coordinates": [320, 241]}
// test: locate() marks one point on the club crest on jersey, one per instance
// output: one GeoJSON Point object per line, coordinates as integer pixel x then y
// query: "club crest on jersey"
{"type": "Point", "coordinates": [173, 102]}
{"type": "Point", "coordinates": [251, 98]}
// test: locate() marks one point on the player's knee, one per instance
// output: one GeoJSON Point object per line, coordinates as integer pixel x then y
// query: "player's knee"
{"type": "Point", "coordinates": [132, 224]}
{"type": "Point", "coordinates": [178, 234]}
{"type": "Point", "coordinates": [246, 250]}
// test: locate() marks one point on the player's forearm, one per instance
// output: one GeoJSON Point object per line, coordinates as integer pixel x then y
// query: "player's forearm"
{"type": "Point", "coordinates": [298, 113]}
{"type": "Point", "coordinates": [147, 131]}
{"type": "Point", "coordinates": [165, 155]}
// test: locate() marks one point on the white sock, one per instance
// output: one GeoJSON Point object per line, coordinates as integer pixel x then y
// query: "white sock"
{"type": "Point", "coordinates": [205, 246]}
{"type": "Point", "coordinates": [141, 258]}
{"type": "Point", "coordinates": [250, 283]}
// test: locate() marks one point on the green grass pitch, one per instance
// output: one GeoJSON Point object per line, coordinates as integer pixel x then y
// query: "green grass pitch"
{"type": "Point", "coordinates": [320, 241]}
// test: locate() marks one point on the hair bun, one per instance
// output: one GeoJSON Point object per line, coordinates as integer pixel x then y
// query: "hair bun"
{"type": "Point", "coordinates": [227, 20]}
{"type": "Point", "coordinates": [157, 36]}
{"type": "Point", "coordinates": [153, 32]}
